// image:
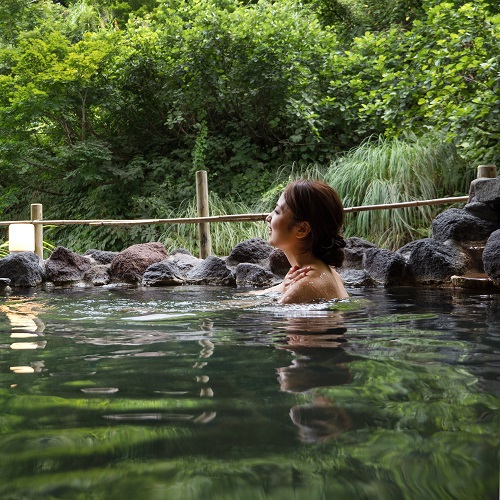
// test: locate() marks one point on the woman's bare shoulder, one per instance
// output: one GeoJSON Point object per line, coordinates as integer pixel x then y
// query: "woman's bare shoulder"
{"type": "Point", "coordinates": [315, 287]}
{"type": "Point", "coordinates": [304, 291]}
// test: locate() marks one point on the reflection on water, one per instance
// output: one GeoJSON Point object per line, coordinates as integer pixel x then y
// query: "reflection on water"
{"type": "Point", "coordinates": [319, 361]}
{"type": "Point", "coordinates": [195, 392]}
{"type": "Point", "coordinates": [26, 326]}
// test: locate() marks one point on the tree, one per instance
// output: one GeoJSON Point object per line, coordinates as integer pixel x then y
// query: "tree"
{"type": "Point", "coordinates": [443, 74]}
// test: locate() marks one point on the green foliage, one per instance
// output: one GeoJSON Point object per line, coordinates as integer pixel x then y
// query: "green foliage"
{"type": "Point", "coordinates": [4, 249]}
{"type": "Point", "coordinates": [18, 16]}
{"type": "Point", "coordinates": [391, 171]}
{"type": "Point", "coordinates": [96, 119]}
{"type": "Point", "coordinates": [351, 18]}
{"type": "Point", "coordinates": [440, 75]}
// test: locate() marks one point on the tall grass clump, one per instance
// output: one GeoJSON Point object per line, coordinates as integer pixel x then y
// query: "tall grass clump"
{"type": "Point", "coordinates": [225, 235]}
{"type": "Point", "coordinates": [284, 176]}
{"type": "Point", "coordinates": [383, 171]}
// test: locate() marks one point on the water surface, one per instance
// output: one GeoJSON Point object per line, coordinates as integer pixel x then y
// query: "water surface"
{"type": "Point", "coordinates": [202, 392]}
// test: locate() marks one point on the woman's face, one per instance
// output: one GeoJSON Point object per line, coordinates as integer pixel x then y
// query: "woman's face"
{"type": "Point", "coordinates": [280, 225]}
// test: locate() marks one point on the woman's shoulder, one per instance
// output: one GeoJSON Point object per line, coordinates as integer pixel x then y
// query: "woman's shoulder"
{"type": "Point", "coordinates": [317, 285]}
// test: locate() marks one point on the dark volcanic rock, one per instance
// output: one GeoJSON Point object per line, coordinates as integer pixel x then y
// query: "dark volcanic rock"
{"type": "Point", "coordinates": [485, 191]}
{"type": "Point", "coordinates": [211, 271]}
{"type": "Point", "coordinates": [354, 251]}
{"type": "Point", "coordinates": [24, 269]}
{"type": "Point", "coordinates": [461, 225]}
{"type": "Point", "coordinates": [356, 277]}
{"type": "Point", "coordinates": [98, 275]}
{"type": "Point", "coordinates": [184, 261]}
{"type": "Point", "coordinates": [278, 262]}
{"type": "Point", "coordinates": [164, 273]}
{"type": "Point", "coordinates": [254, 275]}
{"type": "Point", "coordinates": [130, 264]}
{"type": "Point", "coordinates": [101, 256]}
{"type": "Point", "coordinates": [65, 266]}
{"type": "Point", "coordinates": [405, 251]}
{"type": "Point", "coordinates": [491, 257]}
{"type": "Point", "coordinates": [432, 262]}
{"type": "Point", "coordinates": [482, 210]}
{"type": "Point", "coordinates": [385, 267]}
{"type": "Point", "coordinates": [253, 251]}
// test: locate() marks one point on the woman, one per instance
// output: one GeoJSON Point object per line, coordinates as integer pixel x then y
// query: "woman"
{"type": "Point", "coordinates": [306, 225]}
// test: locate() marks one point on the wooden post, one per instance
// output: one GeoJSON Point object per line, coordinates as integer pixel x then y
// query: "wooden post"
{"type": "Point", "coordinates": [37, 214]}
{"type": "Point", "coordinates": [488, 171]}
{"type": "Point", "coordinates": [203, 211]}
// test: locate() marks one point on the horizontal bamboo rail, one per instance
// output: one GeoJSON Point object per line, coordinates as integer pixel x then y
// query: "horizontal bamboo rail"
{"type": "Point", "coordinates": [228, 218]}
{"type": "Point", "coordinates": [416, 203]}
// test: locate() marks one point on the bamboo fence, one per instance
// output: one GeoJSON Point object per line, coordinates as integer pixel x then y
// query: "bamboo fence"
{"type": "Point", "coordinates": [204, 220]}
{"type": "Point", "coordinates": [224, 218]}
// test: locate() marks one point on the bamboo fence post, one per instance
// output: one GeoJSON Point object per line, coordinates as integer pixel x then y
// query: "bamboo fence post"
{"type": "Point", "coordinates": [203, 211]}
{"type": "Point", "coordinates": [488, 171]}
{"type": "Point", "coordinates": [37, 214]}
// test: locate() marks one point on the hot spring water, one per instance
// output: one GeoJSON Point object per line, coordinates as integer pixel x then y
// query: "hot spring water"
{"type": "Point", "coordinates": [202, 392]}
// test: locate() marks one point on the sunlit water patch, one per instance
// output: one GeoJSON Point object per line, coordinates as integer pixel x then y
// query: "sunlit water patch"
{"type": "Point", "coordinates": [202, 392]}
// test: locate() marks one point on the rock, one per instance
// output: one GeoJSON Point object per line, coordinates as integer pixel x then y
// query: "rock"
{"type": "Point", "coordinates": [482, 210]}
{"type": "Point", "coordinates": [474, 252]}
{"type": "Point", "coordinates": [248, 274]}
{"type": "Point", "coordinates": [278, 262]}
{"type": "Point", "coordinates": [356, 277]}
{"type": "Point", "coordinates": [181, 250]}
{"type": "Point", "coordinates": [354, 251]}
{"type": "Point", "coordinates": [129, 265]}
{"type": "Point", "coordinates": [164, 273]}
{"type": "Point", "coordinates": [184, 261]}
{"type": "Point", "coordinates": [65, 266]}
{"type": "Point", "coordinates": [485, 191]}
{"type": "Point", "coordinates": [432, 262]}
{"type": "Point", "coordinates": [4, 285]}
{"type": "Point", "coordinates": [24, 269]}
{"type": "Point", "coordinates": [98, 275]}
{"type": "Point", "coordinates": [405, 251]}
{"type": "Point", "coordinates": [211, 271]}
{"type": "Point", "coordinates": [253, 251]}
{"type": "Point", "coordinates": [101, 256]}
{"type": "Point", "coordinates": [385, 267]}
{"type": "Point", "coordinates": [491, 257]}
{"type": "Point", "coordinates": [461, 225]}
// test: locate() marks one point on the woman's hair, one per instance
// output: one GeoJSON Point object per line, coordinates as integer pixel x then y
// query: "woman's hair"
{"type": "Point", "coordinates": [318, 204]}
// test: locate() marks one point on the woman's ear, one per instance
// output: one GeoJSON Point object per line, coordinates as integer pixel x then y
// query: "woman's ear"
{"type": "Point", "coordinates": [302, 230]}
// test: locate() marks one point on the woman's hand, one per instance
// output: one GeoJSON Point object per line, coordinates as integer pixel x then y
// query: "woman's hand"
{"type": "Point", "coordinates": [293, 276]}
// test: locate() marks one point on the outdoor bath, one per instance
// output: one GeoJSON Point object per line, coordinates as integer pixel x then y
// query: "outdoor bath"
{"type": "Point", "coordinates": [204, 392]}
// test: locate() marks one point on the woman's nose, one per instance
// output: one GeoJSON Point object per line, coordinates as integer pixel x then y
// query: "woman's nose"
{"type": "Point", "coordinates": [268, 218]}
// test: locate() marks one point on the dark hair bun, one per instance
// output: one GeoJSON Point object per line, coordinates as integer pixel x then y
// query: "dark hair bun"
{"type": "Point", "coordinates": [333, 254]}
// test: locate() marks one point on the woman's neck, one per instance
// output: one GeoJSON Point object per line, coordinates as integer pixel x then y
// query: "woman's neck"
{"type": "Point", "coordinates": [301, 259]}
